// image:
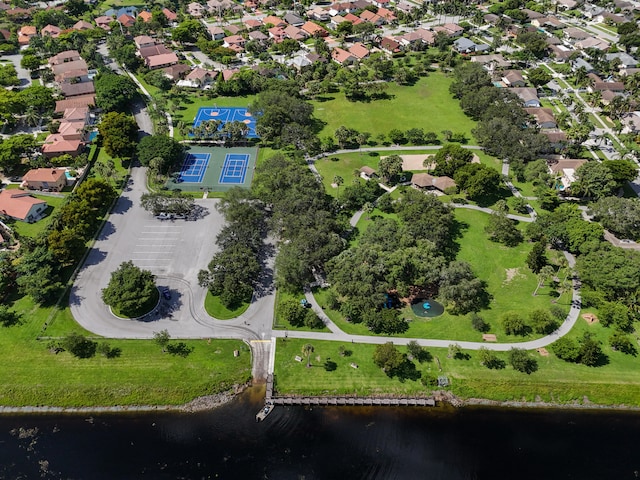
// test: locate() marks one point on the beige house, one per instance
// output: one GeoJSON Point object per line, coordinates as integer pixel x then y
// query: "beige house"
{"type": "Point", "coordinates": [45, 179]}
{"type": "Point", "coordinates": [424, 181]}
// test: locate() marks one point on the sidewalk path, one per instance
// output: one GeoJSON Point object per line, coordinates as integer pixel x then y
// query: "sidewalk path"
{"type": "Point", "coordinates": [340, 336]}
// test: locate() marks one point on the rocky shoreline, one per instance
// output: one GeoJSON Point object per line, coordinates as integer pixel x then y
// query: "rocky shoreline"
{"type": "Point", "coordinates": [199, 404]}
{"type": "Point", "coordinates": [210, 402]}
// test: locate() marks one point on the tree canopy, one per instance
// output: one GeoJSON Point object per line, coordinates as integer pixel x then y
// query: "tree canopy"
{"type": "Point", "coordinates": [114, 92]}
{"type": "Point", "coordinates": [118, 132]}
{"type": "Point", "coordinates": [161, 147]}
{"type": "Point", "coordinates": [129, 289]}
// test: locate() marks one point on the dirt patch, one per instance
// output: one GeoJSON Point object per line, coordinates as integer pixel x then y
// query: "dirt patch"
{"type": "Point", "coordinates": [489, 337]}
{"type": "Point", "coordinates": [475, 159]}
{"type": "Point", "coordinates": [512, 273]}
{"type": "Point", "coordinates": [413, 162]}
{"type": "Point", "coordinates": [590, 318]}
{"type": "Point", "coordinates": [543, 351]}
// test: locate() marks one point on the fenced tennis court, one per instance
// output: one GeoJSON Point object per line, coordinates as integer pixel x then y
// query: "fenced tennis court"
{"type": "Point", "coordinates": [193, 167]}
{"type": "Point", "coordinates": [215, 169]}
{"type": "Point", "coordinates": [234, 168]}
{"type": "Point", "coordinates": [226, 115]}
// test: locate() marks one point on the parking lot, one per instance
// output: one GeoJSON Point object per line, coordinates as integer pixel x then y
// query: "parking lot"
{"type": "Point", "coordinates": [173, 250]}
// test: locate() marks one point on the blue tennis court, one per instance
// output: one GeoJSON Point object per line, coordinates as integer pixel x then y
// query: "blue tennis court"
{"type": "Point", "coordinates": [194, 167]}
{"type": "Point", "coordinates": [234, 168]}
{"type": "Point", "coordinates": [226, 115]}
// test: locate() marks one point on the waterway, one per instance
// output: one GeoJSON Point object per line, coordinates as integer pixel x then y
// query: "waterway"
{"type": "Point", "coordinates": [323, 443]}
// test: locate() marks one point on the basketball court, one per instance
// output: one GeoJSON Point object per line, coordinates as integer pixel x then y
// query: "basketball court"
{"type": "Point", "coordinates": [226, 115]}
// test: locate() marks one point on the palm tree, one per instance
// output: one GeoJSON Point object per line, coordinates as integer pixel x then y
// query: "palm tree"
{"type": "Point", "coordinates": [338, 180]}
{"type": "Point", "coordinates": [545, 272]}
{"type": "Point", "coordinates": [307, 350]}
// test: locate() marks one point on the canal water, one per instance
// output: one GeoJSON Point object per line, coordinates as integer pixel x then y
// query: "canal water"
{"type": "Point", "coordinates": [323, 443]}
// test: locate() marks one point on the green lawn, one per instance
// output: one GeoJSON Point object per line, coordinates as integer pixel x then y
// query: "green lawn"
{"type": "Point", "coordinates": [214, 307]}
{"type": "Point", "coordinates": [427, 104]}
{"type": "Point", "coordinates": [616, 383]}
{"type": "Point", "coordinates": [34, 229]}
{"type": "Point", "coordinates": [509, 281]}
{"type": "Point", "coordinates": [141, 375]}
{"type": "Point", "coordinates": [280, 322]}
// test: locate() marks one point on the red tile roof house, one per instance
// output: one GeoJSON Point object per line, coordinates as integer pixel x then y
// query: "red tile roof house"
{"type": "Point", "coordinates": [171, 16]}
{"type": "Point", "coordinates": [104, 22]}
{"type": "Point", "coordinates": [314, 30]}
{"type": "Point", "coordinates": [359, 50]}
{"type": "Point", "coordinates": [145, 16]}
{"type": "Point", "coordinates": [342, 57]}
{"type": "Point", "coordinates": [21, 206]}
{"type": "Point", "coordinates": [389, 45]}
{"type": "Point", "coordinates": [72, 130]}
{"type": "Point", "coordinates": [63, 57]}
{"type": "Point", "coordinates": [198, 78]}
{"type": "Point", "coordinates": [69, 71]}
{"type": "Point", "coordinates": [56, 145]}
{"type": "Point", "coordinates": [82, 25]}
{"type": "Point", "coordinates": [76, 89]}
{"type": "Point", "coordinates": [277, 34]}
{"type": "Point", "coordinates": [273, 20]}
{"type": "Point", "coordinates": [161, 61]}
{"type": "Point", "coordinates": [126, 20]}
{"type": "Point", "coordinates": [45, 178]}
{"type": "Point", "coordinates": [81, 101]}
{"type": "Point", "coordinates": [295, 33]}
{"type": "Point", "coordinates": [25, 34]}
{"type": "Point", "coordinates": [157, 49]}
{"type": "Point", "coordinates": [143, 41]}
{"type": "Point", "coordinates": [50, 31]}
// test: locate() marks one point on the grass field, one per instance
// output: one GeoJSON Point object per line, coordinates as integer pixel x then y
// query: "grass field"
{"type": "Point", "coordinates": [427, 104]}
{"type": "Point", "coordinates": [616, 383]}
{"type": "Point", "coordinates": [141, 375]}
{"type": "Point", "coordinates": [508, 279]}
{"type": "Point", "coordinates": [214, 307]}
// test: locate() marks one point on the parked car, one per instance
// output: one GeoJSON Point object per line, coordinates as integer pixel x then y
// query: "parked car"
{"type": "Point", "coordinates": [163, 216]}
{"type": "Point", "coordinates": [166, 293]}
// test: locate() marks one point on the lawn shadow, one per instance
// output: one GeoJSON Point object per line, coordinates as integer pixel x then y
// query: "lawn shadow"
{"type": "Point", "coordinates": [406, 371]}
{"type": "Point", "coordinates": [457, 231]}
{"type": "Point", "coordinates": [487, 200]}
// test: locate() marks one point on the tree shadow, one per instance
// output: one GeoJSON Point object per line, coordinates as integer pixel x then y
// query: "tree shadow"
{"type": "Point", "coordinates": [94, 258]}
{"type": "Point", "coordinates": [487, 200]}
{"type": "Point", "coordinates": [456, 232]}
{"type": "Point", "coordinates": [107, 230]}
{"type": "Point", "coordinates": [122, 205]}
{"type": "Point", "coordinates": [406, 371]}
{"type": "Point", "coordinates": [330, 365]}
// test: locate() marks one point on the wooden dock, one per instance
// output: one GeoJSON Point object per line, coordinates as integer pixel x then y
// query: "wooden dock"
{"type": "Point", "coordinates": [273, 400]}
{"type": "Point", "coordinates": [355, 401]}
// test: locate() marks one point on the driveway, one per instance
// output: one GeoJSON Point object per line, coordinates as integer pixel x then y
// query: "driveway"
{"type": "Point", "coordinates": [23, 74]}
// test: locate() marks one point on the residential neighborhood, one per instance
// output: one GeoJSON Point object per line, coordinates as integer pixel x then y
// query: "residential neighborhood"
{"type": "Point", "coordinates": [367, 202]}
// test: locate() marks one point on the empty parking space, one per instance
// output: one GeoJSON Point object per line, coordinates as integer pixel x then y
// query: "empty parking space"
{"type": "Point", "coordinates": [155, 246]}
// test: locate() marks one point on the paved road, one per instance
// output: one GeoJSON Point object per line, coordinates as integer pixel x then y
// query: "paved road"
{"type": "Point", "coordinates": [23, 74]}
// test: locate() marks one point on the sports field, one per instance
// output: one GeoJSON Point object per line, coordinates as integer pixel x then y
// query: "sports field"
{"type": "Point", "coordinates": [226, 115]}
{"type": "Point", "coordinates": [215, 169]}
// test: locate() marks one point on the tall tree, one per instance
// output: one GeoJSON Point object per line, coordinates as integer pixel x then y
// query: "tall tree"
{"type": "Point", "coordinates": [118, 132]}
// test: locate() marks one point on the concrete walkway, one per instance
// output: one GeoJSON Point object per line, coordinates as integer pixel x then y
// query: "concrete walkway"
{"type": "Point", "coordinates": [340, 336]}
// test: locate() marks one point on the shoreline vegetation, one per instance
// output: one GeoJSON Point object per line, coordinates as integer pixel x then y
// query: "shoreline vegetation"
{"type": "Point", "coordinates": [444, 399]}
